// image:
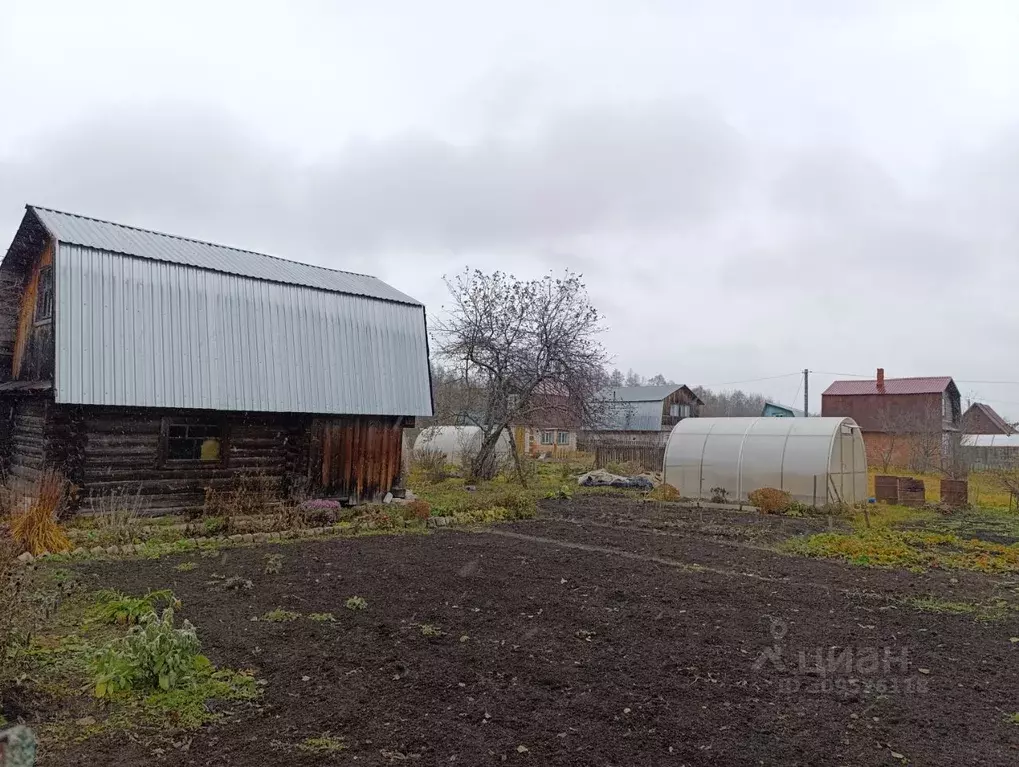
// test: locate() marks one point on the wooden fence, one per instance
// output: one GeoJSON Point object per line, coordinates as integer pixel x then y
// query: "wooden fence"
{"type": "Point", "coordinates": [648, 457]}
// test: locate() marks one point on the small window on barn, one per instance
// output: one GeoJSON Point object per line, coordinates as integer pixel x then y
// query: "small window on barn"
{"type": "Point", "coordinates": [563, 438]}
{"type": "Point", "coordinates": [192, 439]}
{"type": "Point", "coordinates": [674, 411]}
{"type": "Point", "coordinates": [684, 411]}
{"type": "Point", "coordinates": [548, 437]}
{"type": "Point", "coordinates": [44, 297]}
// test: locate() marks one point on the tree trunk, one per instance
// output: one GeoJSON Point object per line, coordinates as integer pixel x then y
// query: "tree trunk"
{"type": "Point", "coordinates": [484, 465]}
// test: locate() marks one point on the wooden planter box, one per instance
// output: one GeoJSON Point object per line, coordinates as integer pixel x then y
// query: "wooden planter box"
{"type": "Point", "coordinates": [911, 492]}
{"type": "Point", "coordinates": [955, 493]}
{"type": "Point", "coordinates": [886, 488]}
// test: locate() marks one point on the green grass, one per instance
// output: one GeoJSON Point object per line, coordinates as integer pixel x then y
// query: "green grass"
{"type": "Point", "coordinates": [324, 744]}
{"type": "Point", "coordinates": [280, 616]}
{"type": "Point", "coordinates": [58, 665]}
{"type": "Point", "coordinates": [914, 550]}
{"type": "Point", "coordinates": [997, 609]}
{"type": "Point", "coordinates": [1012, 718]}
{"type": "Point", "coordinates": [356, 603]}
{"type": "Point", "coordinates": [186, 567]}
{"type": "Point", "coordinates": [322, 617]}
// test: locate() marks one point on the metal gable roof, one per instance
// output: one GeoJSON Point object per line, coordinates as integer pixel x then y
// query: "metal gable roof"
{"type": "Point", "coordinates": [929, 385]}
{"type": "Point", "coordinates": [638, 393]}
{"type": "Point", "coordinates": [143, 243]}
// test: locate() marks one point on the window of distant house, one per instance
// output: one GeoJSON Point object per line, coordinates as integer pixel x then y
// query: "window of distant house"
{"type": "Point", "coordinates": [684, 411]}
{"type": "Point", "coordinates": [674, 411]}
{"type": "Point", "coordinates": [563, 438]}
{"type": "Point", "coordinates": [192, 439]}
{"type": "Point", "coordinates": [946, 406]}
{"type": "Point", "coordinates": [548, 437]}
{"type": "Point", "coordinates": [44, 297]}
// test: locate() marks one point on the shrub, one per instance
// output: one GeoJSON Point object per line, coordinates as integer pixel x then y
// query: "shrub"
{"type": "Point", "coordinates": [35, 525]}
{"type": "Point", "coordinates": [417, 510]}
{"type": "Point", "coordinates": [431, 464]}
{"type": "Point", "coordinates": [770, 500]}
{"type": "Point", "coordinates": [114, 607]}
{"type": "Point", "coordinates": [116, 513]}
{"type": "Point", "coordinates": [153, 655]}
{"type": "Point", "coordinates": [249, 494]}
{"type": "Point", "coordinates": [719, 495]}
{"type": "Point", "coordinates": [664, 492]}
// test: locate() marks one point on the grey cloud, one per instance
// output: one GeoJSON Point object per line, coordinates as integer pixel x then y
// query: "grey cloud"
{"type": "Point", "coordinates": [651, 166]}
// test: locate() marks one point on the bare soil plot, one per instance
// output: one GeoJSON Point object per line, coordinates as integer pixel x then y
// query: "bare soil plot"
{"type": "Point", "coordinates": [603, 634]}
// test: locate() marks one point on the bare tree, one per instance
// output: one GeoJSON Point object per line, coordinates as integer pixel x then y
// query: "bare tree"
{"type": "Point", "coordinates": [634, 379]}
{"type": "Point", "coordinates": [524, 349]}
{"type": "Point", "coordinates": [729, 404]}
{"type": "Point", "coordinates": [891, 422]}
{"type": "Point", "coordinates": [616, 379]}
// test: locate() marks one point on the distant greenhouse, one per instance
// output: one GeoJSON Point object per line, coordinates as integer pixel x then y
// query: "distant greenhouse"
{"type": "Point", "coordinates": [816, 460]}
{"type": "Point", "coordinates": [458, 442]}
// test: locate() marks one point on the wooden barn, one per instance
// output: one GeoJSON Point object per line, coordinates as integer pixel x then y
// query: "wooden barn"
{"type": "Point", "coordinates": [139, 360]}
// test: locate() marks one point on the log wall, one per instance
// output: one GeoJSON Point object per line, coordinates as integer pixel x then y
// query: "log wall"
{"type": "Point", "coordinates": [123, 447]}
{"type": "Point", "coordinates": [103, 449]}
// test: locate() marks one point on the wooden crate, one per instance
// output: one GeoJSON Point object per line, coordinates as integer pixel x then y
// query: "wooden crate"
{"type": "Point", "coordinates": [886, 488]}
{"type": "Point", "coordinates": [911, 492]}
{"type": "Point", "coordinates": [955, 493]}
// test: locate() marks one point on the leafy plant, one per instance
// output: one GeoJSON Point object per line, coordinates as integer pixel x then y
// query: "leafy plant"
{"type": "Point", "coordinates": [280, 615]}
{"type": "Point", "coordinates": [213, 526]}
{"type": "Point", "coordinates": [35, 520]}
{"type": "Point", "coordinates": [273, 564]}
{"type": "Point", "coordinates": [114, 607]}
{"type": "Point", "coordinates": [322, 617]}
{"type": "Point", "coordinates": [186, 567]}
{"type": "Point", "coordinates": [153, 655]}
{"type": "Point", "coordinates": [356, 603]}
{"type": "Point", "coordinates": [1012, 718]}
{"type": "Point", "coordinates": [559, 494]}
{"type": "Point", "coordinates": [770, 500]}
{"type": "Point", "coordinates": [719, 495]}
{"type": "Point", "coordinates": [429, 630]}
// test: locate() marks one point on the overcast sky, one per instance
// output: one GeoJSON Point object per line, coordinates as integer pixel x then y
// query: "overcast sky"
{"type": "Point", "coordinates": [749, 188]}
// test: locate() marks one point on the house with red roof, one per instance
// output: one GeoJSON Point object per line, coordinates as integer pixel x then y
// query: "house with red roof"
{"type": "Point", "coordinates": [980, 418]}
{"type": "Point", "coordinates": [910, 423]}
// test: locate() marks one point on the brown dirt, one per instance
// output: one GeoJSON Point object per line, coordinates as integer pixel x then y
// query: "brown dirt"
{"type": "Point", "coordinates": [589, 642]}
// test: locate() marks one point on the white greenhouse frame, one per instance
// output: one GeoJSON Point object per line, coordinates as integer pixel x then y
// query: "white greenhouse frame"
{"type": "Point", "coordinates": [456, 442]}
{"type": "Point", "coordinates": [816, 460]}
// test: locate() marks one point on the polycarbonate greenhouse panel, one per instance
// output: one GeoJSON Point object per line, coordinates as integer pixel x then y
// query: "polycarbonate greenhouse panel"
{"type": "Point", "coordinates": [814, 459]}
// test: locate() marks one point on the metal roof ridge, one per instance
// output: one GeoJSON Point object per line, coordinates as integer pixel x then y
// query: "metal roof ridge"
{"type": "Point", "coordinates": [193, 240]}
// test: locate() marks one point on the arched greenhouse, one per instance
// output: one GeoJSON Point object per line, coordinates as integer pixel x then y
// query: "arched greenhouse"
{"type": "Point", "coordinates": [816, 460]}
{"type": "Point", "coordinates": [455, 442]}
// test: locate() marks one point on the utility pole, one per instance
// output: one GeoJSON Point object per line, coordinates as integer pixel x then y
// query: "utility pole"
{"type": "Point", "coordinates": [806, 392]}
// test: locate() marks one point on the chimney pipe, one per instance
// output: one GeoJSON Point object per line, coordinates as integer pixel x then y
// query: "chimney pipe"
{"type": "Point", "coordinates": [881, 380]}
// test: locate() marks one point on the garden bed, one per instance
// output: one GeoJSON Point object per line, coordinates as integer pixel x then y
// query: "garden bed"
{"type": "Point", "coordinates": [577, 638]}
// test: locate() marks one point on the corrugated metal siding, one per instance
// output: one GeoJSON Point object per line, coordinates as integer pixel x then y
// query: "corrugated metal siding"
{"type": "Point", "coordinates": [116, 238]}
{"type": "Point", "coordinates": [137, 332]}
{"type": "Point", "coordinates": [632, 416]}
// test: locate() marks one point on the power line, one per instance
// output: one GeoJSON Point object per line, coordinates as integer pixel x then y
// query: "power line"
{"type": "Point", "coordinates": [753, 380]}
